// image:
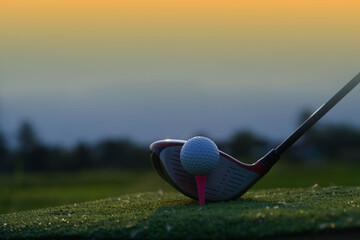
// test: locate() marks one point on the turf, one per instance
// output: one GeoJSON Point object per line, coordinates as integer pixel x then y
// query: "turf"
{"type": "Point", "coordinates": [259, 213]}
{"type": "Point", "coordinates": [39, 190]}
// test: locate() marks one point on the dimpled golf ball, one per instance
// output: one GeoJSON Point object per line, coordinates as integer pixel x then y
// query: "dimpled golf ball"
{"type": "Point", "coordinates": [199, 156]}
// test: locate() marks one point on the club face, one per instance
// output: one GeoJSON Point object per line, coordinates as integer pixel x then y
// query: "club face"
{"type": "Point", "coordinates": [229, 180]}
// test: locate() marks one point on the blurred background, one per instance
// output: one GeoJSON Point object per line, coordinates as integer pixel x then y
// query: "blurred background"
{"type": "Point", "coordinates": [86, 86]}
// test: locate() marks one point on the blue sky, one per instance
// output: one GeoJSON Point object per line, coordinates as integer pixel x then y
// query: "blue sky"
{"type": "Point", "coordinates": [68, 102]}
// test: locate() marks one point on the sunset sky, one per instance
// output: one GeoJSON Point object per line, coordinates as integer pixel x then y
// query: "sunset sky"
{"type": "Point", "coordinates": [147, 70]}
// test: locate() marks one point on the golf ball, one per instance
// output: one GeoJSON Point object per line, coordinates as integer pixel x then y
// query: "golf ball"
{"type": "Point", "coordinates": [199, 156]}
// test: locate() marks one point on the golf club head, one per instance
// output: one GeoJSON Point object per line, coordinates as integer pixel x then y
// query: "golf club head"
{"type": "Point", "coordinates": [229, 180]}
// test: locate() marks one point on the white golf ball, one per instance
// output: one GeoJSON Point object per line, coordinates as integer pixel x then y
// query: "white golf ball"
{"type": "Point", "coordinates": [199, 156]}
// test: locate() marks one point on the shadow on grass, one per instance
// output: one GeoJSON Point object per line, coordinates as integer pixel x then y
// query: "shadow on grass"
{"type": "Point", "coordinates": [243, 218]}
{"type": "Point", "coordinates": [178, 219]}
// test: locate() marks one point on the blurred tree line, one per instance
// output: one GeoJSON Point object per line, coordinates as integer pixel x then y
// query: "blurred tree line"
{"type": "Point", "coordinates": [324, 142]}
{"type": "Point", "coordinates": [31, 155]}
{"type": "Point", "coordinates": [321, 143]}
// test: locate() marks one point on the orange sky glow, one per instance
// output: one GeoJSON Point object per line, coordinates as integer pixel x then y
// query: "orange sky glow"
{"type": "Point", "coordinates": [226, 21]}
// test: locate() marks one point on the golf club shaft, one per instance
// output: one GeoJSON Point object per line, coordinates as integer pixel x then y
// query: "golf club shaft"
{"type": "Point", "coordinates": [319, 113]}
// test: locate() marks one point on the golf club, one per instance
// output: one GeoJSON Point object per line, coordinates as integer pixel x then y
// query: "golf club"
{"type": "Point", "coordinates": [231, 178]}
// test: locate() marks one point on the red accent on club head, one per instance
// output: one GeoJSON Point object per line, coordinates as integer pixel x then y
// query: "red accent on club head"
{"type": "Point", "coordinates": [257, 167]}
{"type": "Point", "coordinates": [167, 143]}
{"type": "Point", "coordinates": [200, 182]}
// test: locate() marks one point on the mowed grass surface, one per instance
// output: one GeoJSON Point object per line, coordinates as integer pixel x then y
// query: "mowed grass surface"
{"type": "Point", "coordinates": [259, 213]}
{"type": "Point", "coordinates": [38, 190]}
{"type": "Point", "coordinates": [53, 189]}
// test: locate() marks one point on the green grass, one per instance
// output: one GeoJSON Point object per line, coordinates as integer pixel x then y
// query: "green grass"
{"type": "Point", "coordinates": [51, 189]}
{"type": "Point", "coordinates": [258, 213]}
{"type": "Point", "coordinates": [40, 190]}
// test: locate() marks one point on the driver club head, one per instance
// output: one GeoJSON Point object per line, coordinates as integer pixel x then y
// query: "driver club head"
{"type": "Point", "coordinates": [229, 180]}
